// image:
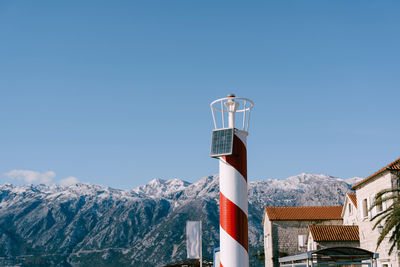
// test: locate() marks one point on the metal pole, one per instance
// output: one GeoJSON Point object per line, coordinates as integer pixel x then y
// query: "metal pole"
{"type": "Point", "coordinates": [201, 244]}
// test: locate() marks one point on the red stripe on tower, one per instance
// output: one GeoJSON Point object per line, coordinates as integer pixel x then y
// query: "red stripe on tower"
{"type": "Point", "coordinates": [238, 160]}
{"type": "Point", "coordinates": [234, 221]}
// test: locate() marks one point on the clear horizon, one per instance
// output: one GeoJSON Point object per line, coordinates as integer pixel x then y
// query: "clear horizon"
{"type": "Point", "coordinates": [21, 182]}
{"type": "Point", "coordinates": [119, 94]}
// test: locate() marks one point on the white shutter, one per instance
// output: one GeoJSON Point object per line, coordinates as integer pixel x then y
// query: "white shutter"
{"type": "Point", "coordinates": [301, 241]}
{"type": "Point", "coordinates": [364, 208]}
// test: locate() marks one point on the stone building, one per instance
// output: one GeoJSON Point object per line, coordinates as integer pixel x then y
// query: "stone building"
{"type": "Point", "coordinates": [326, 236]}
{"type": "Point", "coordinates": [286, 228]}
{"type": "Point", "coordinates": [366, 190]}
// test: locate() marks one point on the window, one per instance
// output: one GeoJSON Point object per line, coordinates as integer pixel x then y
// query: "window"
{"type": "Point", "coordinates": [365, 208]}
{"type": "Point", "coordinates": [379, 207]}
{"type": "Point", "coordinates": [349, 208]}
{"type": "Point", "coordinates": [302, 241]}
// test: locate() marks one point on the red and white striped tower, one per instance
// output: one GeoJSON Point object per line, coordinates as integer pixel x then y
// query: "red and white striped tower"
{"type": "Point", "coordinates": [233, 180]}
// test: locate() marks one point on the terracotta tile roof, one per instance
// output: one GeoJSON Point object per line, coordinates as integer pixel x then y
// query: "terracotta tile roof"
{"type": "Point", "coordinates": [334, 232]}
{"type": "Point", "coordinates": [304, 213]}
{"type": "Point", "coordinates": [395, 165]}
{"type": "Point", "coordinates": [353, 198]}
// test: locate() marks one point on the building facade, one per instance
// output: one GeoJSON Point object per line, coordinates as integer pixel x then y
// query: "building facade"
{"type": "Point", "coordinates": [366, 191]}
{"type": "Point", "coordinates": [295, 230]}
{"type": "Point", "coordinates": [286, 229]}
{"type": "Point", "coordinates": [349, 212]}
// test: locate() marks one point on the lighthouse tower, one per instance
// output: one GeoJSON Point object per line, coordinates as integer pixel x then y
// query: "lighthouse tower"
{"type": "Point", "coordinates": [231, 116]}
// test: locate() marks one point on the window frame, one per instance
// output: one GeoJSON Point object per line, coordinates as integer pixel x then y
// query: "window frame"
{"type": "Point", "coordinates": [380, 206]}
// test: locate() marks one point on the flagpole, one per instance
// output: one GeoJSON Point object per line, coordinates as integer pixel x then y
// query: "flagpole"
{"type": "Point", "coordinates": [201, 245]}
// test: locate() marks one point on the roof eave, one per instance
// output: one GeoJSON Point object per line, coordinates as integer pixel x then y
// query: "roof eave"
{"type": "Point", "coordinates": [369, 179]}
{"type": "Point", "coordinates": [337, 240]}
{"type": "Point", "coordinates": [305, 220]}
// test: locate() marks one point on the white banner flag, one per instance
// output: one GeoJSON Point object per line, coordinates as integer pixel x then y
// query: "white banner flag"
{"type": "Point", "coordinates": [193, 239]}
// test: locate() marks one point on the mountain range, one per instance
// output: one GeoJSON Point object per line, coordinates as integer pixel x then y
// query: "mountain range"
{"type": "Point", "coordinates": [92, 225]}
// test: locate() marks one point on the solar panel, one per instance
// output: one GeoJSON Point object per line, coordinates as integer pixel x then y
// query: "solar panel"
{"type": "Point", "coordinates": [222, 142]}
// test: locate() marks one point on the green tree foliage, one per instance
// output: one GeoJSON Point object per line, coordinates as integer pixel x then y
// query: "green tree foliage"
{"type": "Point", "coordinates": [388, 218]}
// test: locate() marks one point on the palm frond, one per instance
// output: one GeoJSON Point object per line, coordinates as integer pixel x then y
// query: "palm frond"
{"type": "Point", "coordinates": [390, 217]}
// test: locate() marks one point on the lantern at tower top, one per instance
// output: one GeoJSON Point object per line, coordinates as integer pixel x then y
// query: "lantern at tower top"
{"type": "Point", "coordinates": [231, 116]}
{"type": "Point", "coordinates": [231, 112]}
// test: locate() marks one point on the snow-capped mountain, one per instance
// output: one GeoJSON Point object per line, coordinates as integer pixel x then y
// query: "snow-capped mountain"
{"type": "Point", "coordinates": [89, 225]}
{"type": "Point", "coordinates": [161, 188]}
{"type": "Point", "coordinates": [353, 180]}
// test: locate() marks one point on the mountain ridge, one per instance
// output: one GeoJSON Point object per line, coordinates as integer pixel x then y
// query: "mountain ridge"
{"type": "Point", "coordinates": [88, 225]}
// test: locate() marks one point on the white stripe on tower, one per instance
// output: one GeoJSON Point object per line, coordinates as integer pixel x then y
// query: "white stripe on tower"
{"type": "Point", "coordinates": [240, 257]}
{"type": "Point", "coordinates": [234, 205]}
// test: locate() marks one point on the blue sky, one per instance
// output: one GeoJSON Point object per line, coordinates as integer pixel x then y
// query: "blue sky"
{"type": "Point", "coordinates": [118, 93]}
